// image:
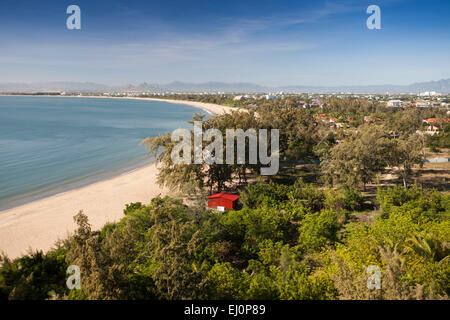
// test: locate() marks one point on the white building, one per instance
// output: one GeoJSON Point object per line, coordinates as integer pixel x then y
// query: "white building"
{"type": "Point", "coordinates": [394, 103]}
{"type": "Point", "coordinates": [429, 94]}
{"type": "Point", "coordinates": [421, 104]}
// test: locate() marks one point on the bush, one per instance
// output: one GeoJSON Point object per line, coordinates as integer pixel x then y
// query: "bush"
{"type": "Point", "coordinates": [35, 276]}
{"type": "Point", "coordinates": [264, 194]}
{"type": "Point", "coordinates": [408, 242]}
{"type": "Point", "coordinates": [318, 229]}
{"type": "Point", "coordinates": [348, 199]}
{"type": "Point", "coordinates": [433, 148]}
{"type": "Point", "coordinates": [396, 196]}
{"type": "Point", "coordinates": [353, 200]}
{"type": "Point", "coordinates": [428, 204]}
{"type": "Point", "coordinates": [132, 207]}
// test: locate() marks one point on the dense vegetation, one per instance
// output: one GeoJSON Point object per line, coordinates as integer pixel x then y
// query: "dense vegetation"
{"type": "Point", "coordinates": [290, 240]}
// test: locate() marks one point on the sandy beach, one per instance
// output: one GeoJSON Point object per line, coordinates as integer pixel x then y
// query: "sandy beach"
{"type": "Point", "coordinates": [39, 224]}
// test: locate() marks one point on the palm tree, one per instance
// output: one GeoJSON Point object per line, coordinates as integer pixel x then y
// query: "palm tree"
{"type": "Point", "coordinates": [428, 247]}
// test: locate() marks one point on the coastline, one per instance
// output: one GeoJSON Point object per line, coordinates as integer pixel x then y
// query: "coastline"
{"type": "Point", "coordinates": [211, 107]}
{"type": "Point", "coordinates": [39, 224]}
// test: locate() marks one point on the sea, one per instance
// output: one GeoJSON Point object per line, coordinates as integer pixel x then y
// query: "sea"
{"type": "Point", "coordinates": [50, 145]}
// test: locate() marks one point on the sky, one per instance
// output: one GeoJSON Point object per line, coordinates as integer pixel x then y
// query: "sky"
{"type": "Point", "coordinates": [274, 43]}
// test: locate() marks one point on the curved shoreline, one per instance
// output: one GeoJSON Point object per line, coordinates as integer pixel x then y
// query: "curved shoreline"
{"type": "Point", "coordinates": [39, 224]}
{"type": "Point", "coordinates": [214, 108]}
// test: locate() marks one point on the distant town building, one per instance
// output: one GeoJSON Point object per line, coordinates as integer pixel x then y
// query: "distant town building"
{"type": "Point", "coordinates": [429, 94]}
{"type": "Point", "coordinates": [370, 119]}
{"type": "Point", "coordinates": [394, 103]}
{"type": "Point", "coordinates": [429, 120]}
{"type": "Point", "coordinates": [421, 104]}
{"type": "Point", "coordinates": [316, 102]}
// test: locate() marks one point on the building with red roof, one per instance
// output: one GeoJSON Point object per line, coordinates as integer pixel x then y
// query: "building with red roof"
{"type": "Point", "coordinates": [223, 200]}
{"type": "Point", "coordinates": [430, 120]}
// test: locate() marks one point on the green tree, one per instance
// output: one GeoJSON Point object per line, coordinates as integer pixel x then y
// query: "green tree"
{"type": "Point", "coordinates": [405, 153]}
{"type": "Point", "coordinates": [358, 158]}
{"type": "Point", "coordinates": [406, 122]}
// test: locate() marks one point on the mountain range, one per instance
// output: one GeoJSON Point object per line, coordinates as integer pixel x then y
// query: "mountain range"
{"type": "Point", "coordinates": [441, 86]}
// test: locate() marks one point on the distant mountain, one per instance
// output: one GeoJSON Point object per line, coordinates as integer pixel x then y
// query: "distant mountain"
{"type": "Point", "coordinates": [441, 86]}
{"type": "Point", "coordinates": [345, 89]}
{"type": "Point", "coordinates": [215, 86]}
{"type": "Point", "coordinates": [54, 86]}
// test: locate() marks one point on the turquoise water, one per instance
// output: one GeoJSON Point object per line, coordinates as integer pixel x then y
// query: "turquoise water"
{"type": "Point", "coordinates": [50, 145]}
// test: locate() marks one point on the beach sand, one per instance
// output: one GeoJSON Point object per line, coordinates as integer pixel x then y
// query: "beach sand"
{"type": "Point", "coordinates": [39, 224]}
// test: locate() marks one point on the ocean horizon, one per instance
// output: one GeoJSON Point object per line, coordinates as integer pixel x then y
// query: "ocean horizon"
{"type": "Point", "coordinates": [51, 145]}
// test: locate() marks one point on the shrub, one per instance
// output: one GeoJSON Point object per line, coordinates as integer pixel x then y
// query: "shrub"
{"type": "Point", "coordinates": [35, 276]}
{"type": "Point", "coordinates": [348, 199]}
{"type": "Point", "coordinates": [318, 229]}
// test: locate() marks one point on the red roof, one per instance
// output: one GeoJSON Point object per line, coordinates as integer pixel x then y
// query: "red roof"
{"type": "Point", "coordinates": [431, 120]}
{"type": "Point", "coordinates": [224, 195]}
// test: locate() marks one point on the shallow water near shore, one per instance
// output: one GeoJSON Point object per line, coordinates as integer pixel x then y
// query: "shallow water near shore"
{"type": "Point", "coordinates": [50, 145]}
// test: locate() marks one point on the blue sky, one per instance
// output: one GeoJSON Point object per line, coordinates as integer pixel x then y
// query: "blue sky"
{"type": "Point", "coordinates": [274, 42]}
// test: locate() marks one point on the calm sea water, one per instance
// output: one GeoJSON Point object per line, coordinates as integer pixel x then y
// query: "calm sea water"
{"type": "Point", "coordinates": [50, 145]}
